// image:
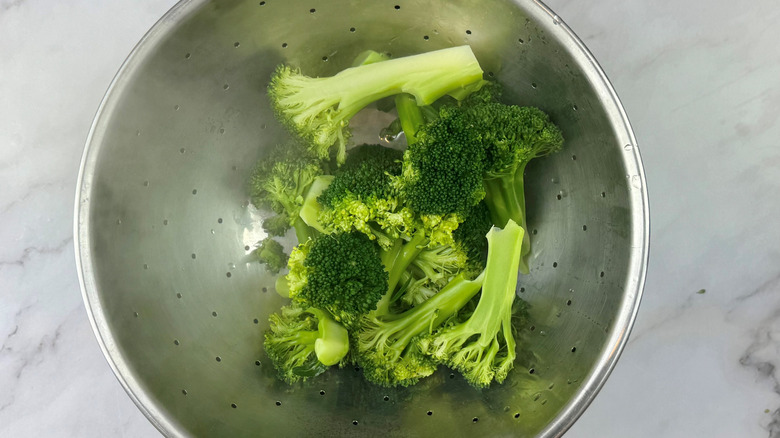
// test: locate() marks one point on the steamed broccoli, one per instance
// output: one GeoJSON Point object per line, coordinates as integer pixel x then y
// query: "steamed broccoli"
{"type": "Point", "coordinates": [319, 109]}
{"type": "Point", "coordinates": [392, 349]}
{"type": "Point", "coordinates": [303, 342]}
{"type": "Point", "coordinates": [406, 260]}
{"type": "Point", "coordinates": [512, 136]}
{"type": "Point", "coordinates": [482, 347]}
{"type": "Point", "coordinates": [433, 267]}
{"type": "Point", "coordinates": [475, 150]}
{"type": "Point", "coordinates": [360, 197]}
{"type": "Point", "coordinates": [442, 169]}
{"type": "Point", "coordinates": [279, 182]}
{"type": "Point", "coordinates": [270, 253]}
{"type": "Point", "coordinates": [340, 273]}
{"type": "Point", "coordinates": [387, 347]}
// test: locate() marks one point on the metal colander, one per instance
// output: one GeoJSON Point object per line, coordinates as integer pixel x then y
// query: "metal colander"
{"type": "Point", "coordinates": [164, 227]}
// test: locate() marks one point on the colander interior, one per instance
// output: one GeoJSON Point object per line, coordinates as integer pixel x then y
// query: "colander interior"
{"type": "Point", "coordinates": [164, 226]}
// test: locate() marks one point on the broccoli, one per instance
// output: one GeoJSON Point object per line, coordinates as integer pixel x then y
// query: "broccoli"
{"type": "Point", "coordinates": [470, 236]}
{"type": "Point", "coordinates": [340, 273]}
{"type": "Point", "coordinates": [318, 110]}
{"type": "Point", "coordinates": [360, 197]}
{"type": "Point", "coordinates": [392, 349]}
{"type": "Point", "coordinates": [387, 348]}
{"type": "Point", "coordinates": [406, 260]}
{"type": "Point", "coordinates": [304, 342]}
{"type": "Point", "coordinates": [512, 136]}
{"type": "Point", "coordinates": [482, 347]}
{"type": "Point", "coordinates": [270, 253]}
{"type": "Point", "coordinates": [475, 150]}
{"type": "Point", "coordinates": [279, 182]}
{"type": "Point", "coordinates": [442, 169]}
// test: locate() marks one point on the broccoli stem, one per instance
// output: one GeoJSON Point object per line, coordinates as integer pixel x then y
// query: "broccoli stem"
{"type": "Point", "coordinates": [396, 260]}
{"type": "Point", "coordinates": [410, 115]}
{"type": "Point", "coordinates": [475, 346]}
{"type": "Point", "coordinates": [498, 289]}
{"type": "Point", "coordinates": [428, 76]}
{"type": "Point", "coordinates": [302, 231]}
{"type": "Point", "coordinates": [332, 342]}
{"type": "Point", "coordinates": [505, 199]}
{"type": "Point", "coordinates": [433, 312]}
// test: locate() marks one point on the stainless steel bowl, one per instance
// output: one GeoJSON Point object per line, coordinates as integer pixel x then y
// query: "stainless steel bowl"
{"type": "Point", "coordinates": [163, 225]}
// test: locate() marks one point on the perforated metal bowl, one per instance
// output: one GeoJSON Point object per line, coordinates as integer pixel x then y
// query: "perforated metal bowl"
{"type": "Point", "coordinates": [164, 227]}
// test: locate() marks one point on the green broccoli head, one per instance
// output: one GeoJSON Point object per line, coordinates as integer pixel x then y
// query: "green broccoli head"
{"type": "Point", "coordinates": [303, 343]}
{"type": "Point", "coordinates": [386, 366]}
{"type": "Point", "coordinates": [341, 273]}
{"type": "Point", "coordinates": [280, 180]}
{"type": "Point", "coordinates": [361, 197]}
{"type": "Point", "coordinates": [442, 170]}
{"type": "Point", "coordinates": [387, 346]}
{"type": "Point", "coordinates": [470, 237]}
{"type": "Point", "coordinates": [513, 135]}
{"type": "Point", "coordinates": [277, 225]}
{"type": "Point", "coordinates": [271, 253]}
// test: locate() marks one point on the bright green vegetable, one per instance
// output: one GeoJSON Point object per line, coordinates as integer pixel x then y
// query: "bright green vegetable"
{"type": "Point", "coordinates": [400, 349]}
{"type": "Point", "coordinates": [473, 151]}
{"type": "Point", "coordinates": [340, 273]}
{"type": "Point", "coordinates": [318, 110]}
{"type": "Point", "coordinates": [280, 181]}
{"type": "Point", "coordinates": [360, 197]}
{"type": "Point", "coordinates": [512, 136]}
{"type": "Point", "coordinates": [271, 253]}
{"type": "Point", "coordinates": [304, 342]}
{"type": "Point", "coordinates": [406, 260]}
{"type": "Point", "coordinates": [482, 347]}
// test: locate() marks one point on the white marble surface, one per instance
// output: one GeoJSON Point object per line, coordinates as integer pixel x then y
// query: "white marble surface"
{"type": "Point", "coordinates": [701, 82]}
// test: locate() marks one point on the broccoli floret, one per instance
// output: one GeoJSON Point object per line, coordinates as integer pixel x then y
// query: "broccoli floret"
{"type": "Point", "coordinates": [475, 150]}
{"type": "Point", "coordinates": [391, 349]}
{"type": "Point", "coordinates": [470, 237]}
{"type": "Point", "coordinates": [512, 136]}
{"type": "Point", "coordinates": [482, 347]}
{"type": "Point", "coordinates": [271, 253]}
{"type": "Point", "coordinates": [277, 225]}
{"type": "Point", "coordinates": [361, 198]}
{"type": "Point", "coordinates": [280, 181]}
{"type": "Point", "coordinates": [341, 273]}
{"type": "Point", "coordinates": [319, 109]}
{"type": "Point", "coordinates": [304, 342]}
{"type": "Point", "coordinates": [442, 169]}
{"type": "Point", "coordinates": [387, 348]}
{"type": "Point", "coordinates": [430, 270]}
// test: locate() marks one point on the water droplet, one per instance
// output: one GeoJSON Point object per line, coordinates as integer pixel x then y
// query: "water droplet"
{"type": "Point", "coordinates": [554, 180]}
{"type": "Point", "coordinates": [628, 147]}
{"type": "Point", "coordinates": [213, 232]}
{"type": "Point", "coordinates": [232, 265]}
{"type": "Point", "coordinates": [636, 182]}
{"type": "Point", "coordinates": [556, 20]}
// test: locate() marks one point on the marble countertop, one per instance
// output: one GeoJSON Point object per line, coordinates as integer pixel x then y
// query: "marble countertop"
{"type": "Point", "coordinates": [701, 82]}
